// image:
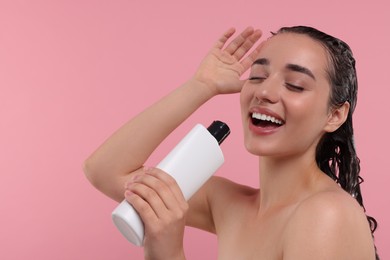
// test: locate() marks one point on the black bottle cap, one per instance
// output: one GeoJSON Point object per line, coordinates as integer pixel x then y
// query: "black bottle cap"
{"type": "Point", "coordinates": [219, 130]}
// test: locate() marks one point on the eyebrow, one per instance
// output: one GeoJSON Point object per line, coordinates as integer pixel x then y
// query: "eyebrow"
{"type": "Point", "coordinates": [298, 68]}
{"type": "Point", "coordinates": [292, 67]}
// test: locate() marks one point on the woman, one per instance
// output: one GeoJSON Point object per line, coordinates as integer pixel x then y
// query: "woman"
{"type": "Point", "coordinates": [297, 117]}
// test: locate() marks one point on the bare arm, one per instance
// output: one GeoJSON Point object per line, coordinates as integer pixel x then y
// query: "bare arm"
{"type": "Point", "coordinates": [113, 163]}
{"type": "Point", "coordinates": [109, 167]}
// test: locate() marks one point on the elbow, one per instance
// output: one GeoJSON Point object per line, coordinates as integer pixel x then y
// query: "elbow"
{"type": "Point", "coordinates": [110, 185]}
{"type": "Point", "coordinates": [91, 173]}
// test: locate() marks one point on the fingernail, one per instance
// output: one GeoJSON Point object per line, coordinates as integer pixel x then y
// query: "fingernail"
{"type": "Point", "coordinates": [128, 193]}
{"type": "Point", "coordinates": [147, 169]}
{"type": "Point", "coordinates": [134, 178]}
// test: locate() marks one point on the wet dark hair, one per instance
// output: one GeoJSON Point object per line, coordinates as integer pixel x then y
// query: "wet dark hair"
{"type": "Point", "coordinates": [336, 154]}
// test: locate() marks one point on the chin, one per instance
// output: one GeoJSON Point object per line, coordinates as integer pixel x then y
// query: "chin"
{"type": "Point", "coordinates": [257, 150]}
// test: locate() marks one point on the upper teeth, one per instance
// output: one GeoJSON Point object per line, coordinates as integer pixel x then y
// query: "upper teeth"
{"type": "Point", "coordinates": [266, 118]}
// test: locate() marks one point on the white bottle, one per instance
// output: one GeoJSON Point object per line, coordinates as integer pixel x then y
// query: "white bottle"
{"type": "Point", "coordinates": [191, 163]}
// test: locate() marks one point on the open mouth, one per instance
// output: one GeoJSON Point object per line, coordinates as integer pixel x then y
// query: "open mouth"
{"type": "Point", "coordinates": [262, 120]}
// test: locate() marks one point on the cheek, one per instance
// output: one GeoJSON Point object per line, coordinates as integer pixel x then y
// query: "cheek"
{"type": "Point", "coordinates": [309, 112]}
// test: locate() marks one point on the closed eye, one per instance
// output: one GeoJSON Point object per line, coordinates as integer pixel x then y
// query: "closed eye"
{"type": "Point", "coordinates": [294, 87]}
{"type": "Point", "coordinates": [256, 78]}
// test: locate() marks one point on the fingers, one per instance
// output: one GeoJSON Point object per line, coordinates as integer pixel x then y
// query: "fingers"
{"type": "Point", "coordinates": [155, 194]}
{"type": "Point", "coordinates": [145, 201]}
{"type": "Point", "coordinates": [247, 45]}
{"type": "Point", "coordinates": [239, 40]}
{"type": "Point", "coordinates": [169, 181]}
{"type": "Point", "coordinates": [241, 44]}
{"type": "Point", "coordinates": [221, 42]}
{"type": "Point", "coordinates": [144, 209]}
{"type": "Point", "coordinates": [248, 61]}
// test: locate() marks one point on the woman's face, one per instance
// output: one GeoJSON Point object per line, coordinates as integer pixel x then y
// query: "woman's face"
{"type": "Point", "coordinates": [284, 102]}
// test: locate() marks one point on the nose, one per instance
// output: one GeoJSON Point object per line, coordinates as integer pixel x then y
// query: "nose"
{"type": "Point", "coordinates": [268, 91]}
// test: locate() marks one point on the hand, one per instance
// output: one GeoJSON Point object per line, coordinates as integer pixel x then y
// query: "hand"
{"type": "Point", "coordinates": [222, 68]}
{"type": "Point", "coordinates": [159, 201]}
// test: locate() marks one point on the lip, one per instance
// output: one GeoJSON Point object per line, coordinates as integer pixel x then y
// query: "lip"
{"type": "Point", "coordinates": [258, 130]}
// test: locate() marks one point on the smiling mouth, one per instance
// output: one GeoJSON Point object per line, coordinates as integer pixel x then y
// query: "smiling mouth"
{"type": "Point", "coordinates": [262, 120]}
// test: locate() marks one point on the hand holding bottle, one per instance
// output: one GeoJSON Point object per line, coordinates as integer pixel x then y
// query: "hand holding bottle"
{"type": "Point", "coordinates": [191, 163]}
{"type": "Point", "coordinates": [162, 207]}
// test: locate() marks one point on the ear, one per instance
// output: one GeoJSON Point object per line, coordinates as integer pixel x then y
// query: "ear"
{"type": "Point", "coordinates": [337, 117]}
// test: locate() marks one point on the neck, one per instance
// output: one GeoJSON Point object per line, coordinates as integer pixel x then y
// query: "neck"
{"type": "Point", "coordinates": [285, 181]}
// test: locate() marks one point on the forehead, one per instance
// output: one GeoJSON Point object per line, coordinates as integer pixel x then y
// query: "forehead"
{"type": "Point", "coordinates": [292, 48]}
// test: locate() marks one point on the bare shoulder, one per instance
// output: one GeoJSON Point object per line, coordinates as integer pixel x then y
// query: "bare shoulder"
{"type": "Point", "coordinates": [328, 225]}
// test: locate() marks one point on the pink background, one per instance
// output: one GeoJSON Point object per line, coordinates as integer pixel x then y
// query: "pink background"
{"type": "Point", "coordinates": [71, 72]}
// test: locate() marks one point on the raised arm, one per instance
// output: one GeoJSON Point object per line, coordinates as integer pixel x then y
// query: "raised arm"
{"type": "Point", "coordinates": [125, 152]}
